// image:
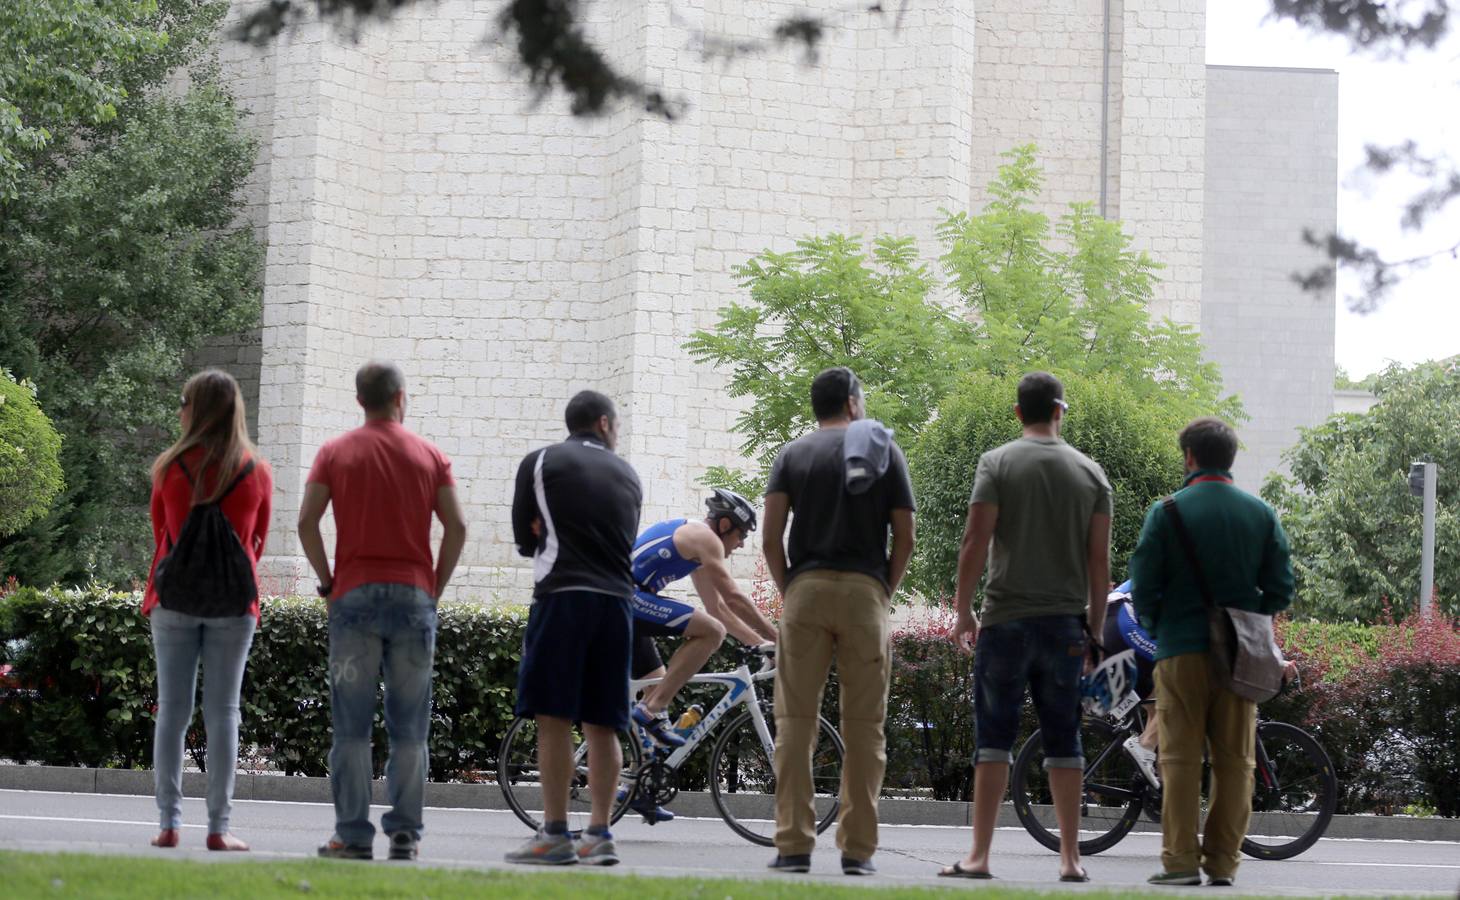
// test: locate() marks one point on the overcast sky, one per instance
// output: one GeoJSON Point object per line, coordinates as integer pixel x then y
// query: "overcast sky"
{"type": "Point", "coordinates": [1380, 102]}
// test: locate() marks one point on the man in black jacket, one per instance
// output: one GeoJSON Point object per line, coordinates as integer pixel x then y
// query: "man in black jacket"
{"type": "Point", "coordinates": [576, 513]}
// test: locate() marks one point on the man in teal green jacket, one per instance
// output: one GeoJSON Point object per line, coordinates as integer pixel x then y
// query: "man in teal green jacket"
{"type": "Point", "coordinates": [1243, 555]}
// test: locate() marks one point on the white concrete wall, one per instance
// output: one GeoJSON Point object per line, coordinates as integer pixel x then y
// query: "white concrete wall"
{"type": "Point", "coordinates": [1272, 158]}
{"type": "Point", "coordinates": [420, 205]}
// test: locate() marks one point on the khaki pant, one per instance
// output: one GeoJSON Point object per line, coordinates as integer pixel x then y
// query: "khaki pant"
{"type": "Point", "coordinates": [826, 614]}
{"type": "Point", "coordinates": [1194, 713]}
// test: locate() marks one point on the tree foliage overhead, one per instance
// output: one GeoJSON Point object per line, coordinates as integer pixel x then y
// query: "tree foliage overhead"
{"type": "Point", "coordinates": [554, 51]}
{"type": "Point", "coordinates": [30, 456]}
{"type": "Point", "coordinates": [1016, 294]}
{"type": "Point", "coordinates": [61, 65]}
{"type": "Point", "coordinates": [121, 252]}
{"type": "Point", "coordinates": [1354, 526]}
{"type": "Point", "coordinates": [1385, 28]}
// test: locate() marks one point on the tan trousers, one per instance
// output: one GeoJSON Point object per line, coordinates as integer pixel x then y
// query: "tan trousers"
{"type": "Point", "coordinates": [843, 615]}
{"type": "Point", "coordinates": [1194, 714]}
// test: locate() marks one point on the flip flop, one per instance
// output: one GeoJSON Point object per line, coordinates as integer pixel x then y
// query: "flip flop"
{"type": "Point", "coordinates": [1082, 876]}
{"type": "Point", "coordinates": [957, 871]}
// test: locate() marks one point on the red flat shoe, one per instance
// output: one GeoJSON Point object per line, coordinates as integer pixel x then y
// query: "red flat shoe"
{"type": "Point", "coordinates": [225, 841]}
{"type": "Point", "coordinates": [167, 837]}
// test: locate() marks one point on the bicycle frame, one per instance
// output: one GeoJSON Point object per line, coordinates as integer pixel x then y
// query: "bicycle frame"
{"type": "Point", "coordinates": [740, 691]}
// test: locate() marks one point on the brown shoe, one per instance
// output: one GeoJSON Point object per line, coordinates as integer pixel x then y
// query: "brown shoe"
{"type": "Point", "coordinates": [167, 837]}
{"type": "Point", "coordinates": [225, 841]}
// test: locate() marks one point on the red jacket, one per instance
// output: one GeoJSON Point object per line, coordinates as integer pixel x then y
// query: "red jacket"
{"type": "Point", "coordinates": [247, 510]}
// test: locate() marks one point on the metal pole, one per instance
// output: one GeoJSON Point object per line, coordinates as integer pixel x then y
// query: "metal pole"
{"type": "Point", "coordinates": [1427, 548]}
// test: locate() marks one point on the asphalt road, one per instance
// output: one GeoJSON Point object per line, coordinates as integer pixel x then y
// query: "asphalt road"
{"type": "Point", "coordinates": [110, 824]}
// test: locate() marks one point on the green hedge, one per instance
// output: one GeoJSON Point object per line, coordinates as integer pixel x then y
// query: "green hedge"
{"type": "Point", "coordinates": [84, 662]}
{"type": "Point", "coordinates": [1384, 700]}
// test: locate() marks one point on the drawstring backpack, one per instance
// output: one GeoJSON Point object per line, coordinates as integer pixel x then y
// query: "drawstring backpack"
{"type": "Point", "coordinates": [207, 572]}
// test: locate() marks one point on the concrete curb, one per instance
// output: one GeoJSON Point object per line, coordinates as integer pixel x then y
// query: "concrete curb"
{"type": "Point", "coordinates": [892, 810]}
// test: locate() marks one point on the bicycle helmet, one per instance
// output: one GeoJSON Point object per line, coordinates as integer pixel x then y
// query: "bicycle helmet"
{"type": "Point", "coordinates": [729, 503]}
{"type": "Point", "coordinates": [1105, 687]}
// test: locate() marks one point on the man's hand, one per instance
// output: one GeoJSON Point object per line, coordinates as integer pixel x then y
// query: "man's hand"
{"type": "Point", "coordinates": [965, 631]}
{"type": "Point", "coordinates": [537, 527]}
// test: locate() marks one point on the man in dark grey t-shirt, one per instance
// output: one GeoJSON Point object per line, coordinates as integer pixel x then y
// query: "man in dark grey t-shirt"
{"type": "Point", "coordinates": [1040, 516]}
{"type": "Point", "coordinates": [837, 580]}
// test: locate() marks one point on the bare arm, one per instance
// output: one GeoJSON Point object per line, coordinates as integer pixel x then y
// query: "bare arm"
{"type": "Point", "coordinates": [904, 529]}
{"type": "Point", "coordinates": [973, 555]}
{"type": "Point", "coordinates": [1097, 569]}
{"type": "Point", "coordinates": [773, 534]}
{"type": "Point", "coordinates": [453, 537]}
{"type": "Point", "coordinates": [717, 605]}
{"type": "Point", "coordinates": [311, 510]}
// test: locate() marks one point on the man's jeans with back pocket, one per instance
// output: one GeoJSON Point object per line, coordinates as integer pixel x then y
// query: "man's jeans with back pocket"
{"type": "Point", "coordinates": [374, 627]}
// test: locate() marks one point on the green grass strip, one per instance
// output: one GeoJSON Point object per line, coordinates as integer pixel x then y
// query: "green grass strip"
{"type": "Point", "coordinates": [47, 875]}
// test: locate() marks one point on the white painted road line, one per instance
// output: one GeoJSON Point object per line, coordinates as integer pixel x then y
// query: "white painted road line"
{"type": "Point", "coordinates": [89, 821]}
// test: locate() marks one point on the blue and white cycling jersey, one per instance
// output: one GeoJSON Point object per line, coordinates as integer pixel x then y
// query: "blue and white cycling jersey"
{"type": "Point", "coordinates": [1129, 627]}
{"type": "Point", "coordinates": [657, 563]}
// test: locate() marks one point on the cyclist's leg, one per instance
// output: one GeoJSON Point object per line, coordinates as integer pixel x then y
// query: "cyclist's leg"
{"type": "Point", "coordinates": [703, 635]}
{"type": "Point", "coordinates": [655, 615]}
{"type": "Point", "coordinates": [646, 662]}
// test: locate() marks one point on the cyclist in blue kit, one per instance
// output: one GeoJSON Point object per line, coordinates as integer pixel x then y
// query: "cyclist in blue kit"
{"type": "Point", "coordinates": [1123, 631]}
{"type": "Point", "coordinates": [665, 553]}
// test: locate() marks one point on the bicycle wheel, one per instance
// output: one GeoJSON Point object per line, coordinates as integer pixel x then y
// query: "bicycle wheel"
{"type": "Point", "coordinates": [1294, 793]}
{"type": "Point", "coordinates": [743, 780]}
{"type": "Point", "coordinates": [1110, 803]}
{"type": "Point", "coordinates": [521, 784]}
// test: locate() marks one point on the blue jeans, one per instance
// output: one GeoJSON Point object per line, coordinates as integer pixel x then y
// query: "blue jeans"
{"type": "Point", "coordinates": [1046, 653]}
{"type": "Point", "coordinates": [180, 641]}
{"type": "Point", "coordinates": [375, 626]}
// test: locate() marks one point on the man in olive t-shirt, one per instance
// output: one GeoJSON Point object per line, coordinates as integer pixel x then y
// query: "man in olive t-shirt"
{"type": "Point", "coordinates": [837, 582]}
{"type": "Point", "coordinates": [1043, 509]}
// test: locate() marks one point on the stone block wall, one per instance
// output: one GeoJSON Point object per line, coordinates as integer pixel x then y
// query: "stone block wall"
{"type": "Point", "coordinates": [420, 203]}
{"type": "Point", "coordinates": [1272, 145]}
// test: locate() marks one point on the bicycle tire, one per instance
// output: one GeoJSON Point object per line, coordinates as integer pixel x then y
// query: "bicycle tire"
{"type": "Point", "coordinates": [1291, 765]}
{"type": "Point", "coordinates": [517, 768]}
{"type": "Point", "coordinates": [1111, 766]}
{"type": "Point", "coordinates": [750, 765]}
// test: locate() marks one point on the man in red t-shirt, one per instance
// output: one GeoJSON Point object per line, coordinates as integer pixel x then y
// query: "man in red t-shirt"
{"type": "Point", "coordinates": [385, 483]}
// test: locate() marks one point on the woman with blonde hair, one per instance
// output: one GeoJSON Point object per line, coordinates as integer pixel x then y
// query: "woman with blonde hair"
{"type": "Point", "coordinates": [211, 499]}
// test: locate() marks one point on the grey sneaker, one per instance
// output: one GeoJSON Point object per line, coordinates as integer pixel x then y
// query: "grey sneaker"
{"type": "Point", "coordinates": [1179, 878]}
{"type": "Point", "coordinates": [544, 849]}
{"type": "Point", "coordinates": [335, 848]}
{"type": "Point", "coordinates": [597, 850]}
{"type": "Point", "coordinates": [1220, 880]}
{"type": "Point", "coordinates": [403, 845]}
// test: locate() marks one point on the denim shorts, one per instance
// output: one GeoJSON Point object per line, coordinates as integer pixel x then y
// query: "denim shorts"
{"type": "Point", "coordinates": [575, 659]}
{"type": "Point", "coordinates": [1047, 653]}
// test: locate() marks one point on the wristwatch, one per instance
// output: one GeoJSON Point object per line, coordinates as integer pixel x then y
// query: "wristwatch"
{"type": "Point", "coordinates": [324, 589]}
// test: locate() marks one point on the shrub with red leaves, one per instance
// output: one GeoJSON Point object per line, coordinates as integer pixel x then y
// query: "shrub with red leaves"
{"type": "Point", "coordinates": [1385, 701]}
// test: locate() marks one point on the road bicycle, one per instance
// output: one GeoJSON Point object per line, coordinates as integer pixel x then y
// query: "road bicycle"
{"type": "Point", "coordinates": [1294, 792]}
{"type": "Point", "coordinates": [740, 779]}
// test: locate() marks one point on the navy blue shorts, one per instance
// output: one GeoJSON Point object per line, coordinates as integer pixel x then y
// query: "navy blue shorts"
{"type": "Point", "coordinates": [575, 659]}
{"type": "Point", "coordinates": [1046, 653]}
{"type": "Point", "coordinates": [655, 616]}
